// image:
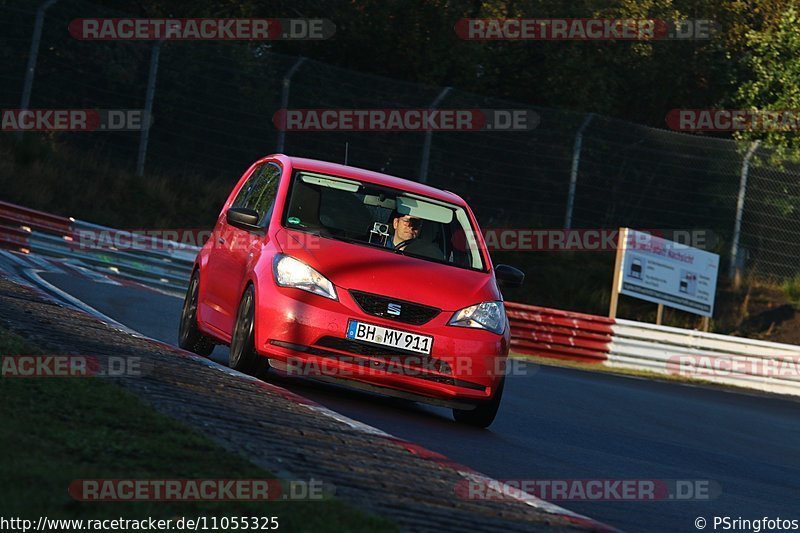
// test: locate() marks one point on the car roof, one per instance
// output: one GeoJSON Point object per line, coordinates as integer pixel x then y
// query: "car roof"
{"type": "Point", "coordinates": [370, 176]}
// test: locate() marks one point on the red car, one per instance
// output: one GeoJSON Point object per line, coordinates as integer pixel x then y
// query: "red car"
{"type": "Point", "coordinates": [337, 273]}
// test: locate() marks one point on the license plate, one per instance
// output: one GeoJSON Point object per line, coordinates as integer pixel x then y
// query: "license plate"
{"type": "Point", "coordinates": [393, 338]}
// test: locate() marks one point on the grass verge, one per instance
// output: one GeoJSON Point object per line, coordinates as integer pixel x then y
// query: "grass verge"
{"type": "Point", "coordinates": [57, 430]}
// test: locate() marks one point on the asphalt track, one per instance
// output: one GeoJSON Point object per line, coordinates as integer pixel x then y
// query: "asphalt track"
{"type": "Point", "coordinates": [562, 424]}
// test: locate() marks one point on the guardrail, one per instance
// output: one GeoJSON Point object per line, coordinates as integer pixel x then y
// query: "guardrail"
{"type": "Point", "coordinates": [690, 354]}
{"type": "Point", "coordinates": [559, 334]}
{"type": "Point", "coordinates": [26, 217]}
{"type": "Point", "coordinates": [540, 331]}
{"type": "Point", "coordinates": [156, 263]}
{"type": "Point", "coordinates": [767, 366]}
{"type": "Point", "coordinates": [13, 238]}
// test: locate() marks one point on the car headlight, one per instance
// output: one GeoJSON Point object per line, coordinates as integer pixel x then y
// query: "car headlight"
{"type": "Point", "coordinates": [487, 315]}
{"type": "Point", "coordinates": [291, 272]}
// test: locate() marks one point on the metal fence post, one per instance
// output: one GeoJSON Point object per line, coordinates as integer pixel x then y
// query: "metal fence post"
{"type": "Point", "coordinates": [30, 69]}
{"type": "Point", "coordinates": [287, 81]}
{"type": "Point", "coordinates": [573, 175]}
{"type": "Point", "coordinates": [740, 208]}
{"type": "Point", "coordinates": [144, 136]}
{"type": "Point", "coordinates": [426, 147]}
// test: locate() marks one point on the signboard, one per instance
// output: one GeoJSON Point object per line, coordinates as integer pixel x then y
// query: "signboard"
{"type": "Point", "coordinates": [665, 272]}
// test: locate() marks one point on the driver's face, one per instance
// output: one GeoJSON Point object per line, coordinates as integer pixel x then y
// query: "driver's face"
{"type": "Point", "coordinates": [407, 228]}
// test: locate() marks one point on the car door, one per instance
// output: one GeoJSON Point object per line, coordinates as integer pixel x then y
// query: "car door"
{"type": "Point", "coordinates": [236, 248]}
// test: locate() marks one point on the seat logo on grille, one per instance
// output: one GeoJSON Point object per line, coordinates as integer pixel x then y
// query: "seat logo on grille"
{"type": "Point", "coordinates": [393, 309]}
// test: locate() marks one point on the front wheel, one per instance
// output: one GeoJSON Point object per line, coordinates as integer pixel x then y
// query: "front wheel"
{"type": "Point", "coordinates": [243, 356]}
{"type": "Point", "coordinates": [189, 335]}
{"type": "Point", "coordinates": [484, 414]}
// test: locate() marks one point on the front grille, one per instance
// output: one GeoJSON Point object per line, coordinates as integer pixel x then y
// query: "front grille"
{"type": "Point", "coordinates": [409, 312]}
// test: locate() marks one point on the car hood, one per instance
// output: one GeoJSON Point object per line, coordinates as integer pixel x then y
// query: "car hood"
{"type": "Point", "coordinates": [370, 269]}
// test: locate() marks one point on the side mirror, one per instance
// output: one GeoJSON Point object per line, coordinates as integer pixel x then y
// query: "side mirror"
{"type": "Point", "coordinates": [508, 276]}
{"type": "Point", "coordinates": [243, 218]}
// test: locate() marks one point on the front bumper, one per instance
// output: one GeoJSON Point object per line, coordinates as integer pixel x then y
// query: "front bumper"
{"type": "Point", "coordinates": [304, 335]}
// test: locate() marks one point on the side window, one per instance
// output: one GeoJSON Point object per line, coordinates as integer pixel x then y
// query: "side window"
{"type": "Point", "coordinates": [259, 191]}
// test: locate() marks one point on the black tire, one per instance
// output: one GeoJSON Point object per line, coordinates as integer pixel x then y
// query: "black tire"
{"type": "Point", "coordinates": [243, 356]}
{"type": "Point", "coordinates": [484, 414]}
{"type": "Point", "coordinates": [189, 335]}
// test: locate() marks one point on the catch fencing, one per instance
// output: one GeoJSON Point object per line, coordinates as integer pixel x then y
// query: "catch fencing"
{"type": "Point", "coordinates": [213, 105]}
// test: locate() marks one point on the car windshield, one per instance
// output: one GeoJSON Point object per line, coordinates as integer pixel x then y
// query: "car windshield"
{"type": "Point", "coordinates": [390, 219]}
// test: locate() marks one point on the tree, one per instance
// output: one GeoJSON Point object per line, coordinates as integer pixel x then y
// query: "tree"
{"type": "Point", "coordinates": [773, 61]}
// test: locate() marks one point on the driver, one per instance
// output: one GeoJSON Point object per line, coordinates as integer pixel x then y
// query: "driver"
{"type": "Point", "coordinates": [406, 228]}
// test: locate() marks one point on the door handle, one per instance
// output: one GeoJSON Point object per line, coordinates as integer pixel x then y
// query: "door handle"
{"type": "Point", "coordinates": [221, 240]}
